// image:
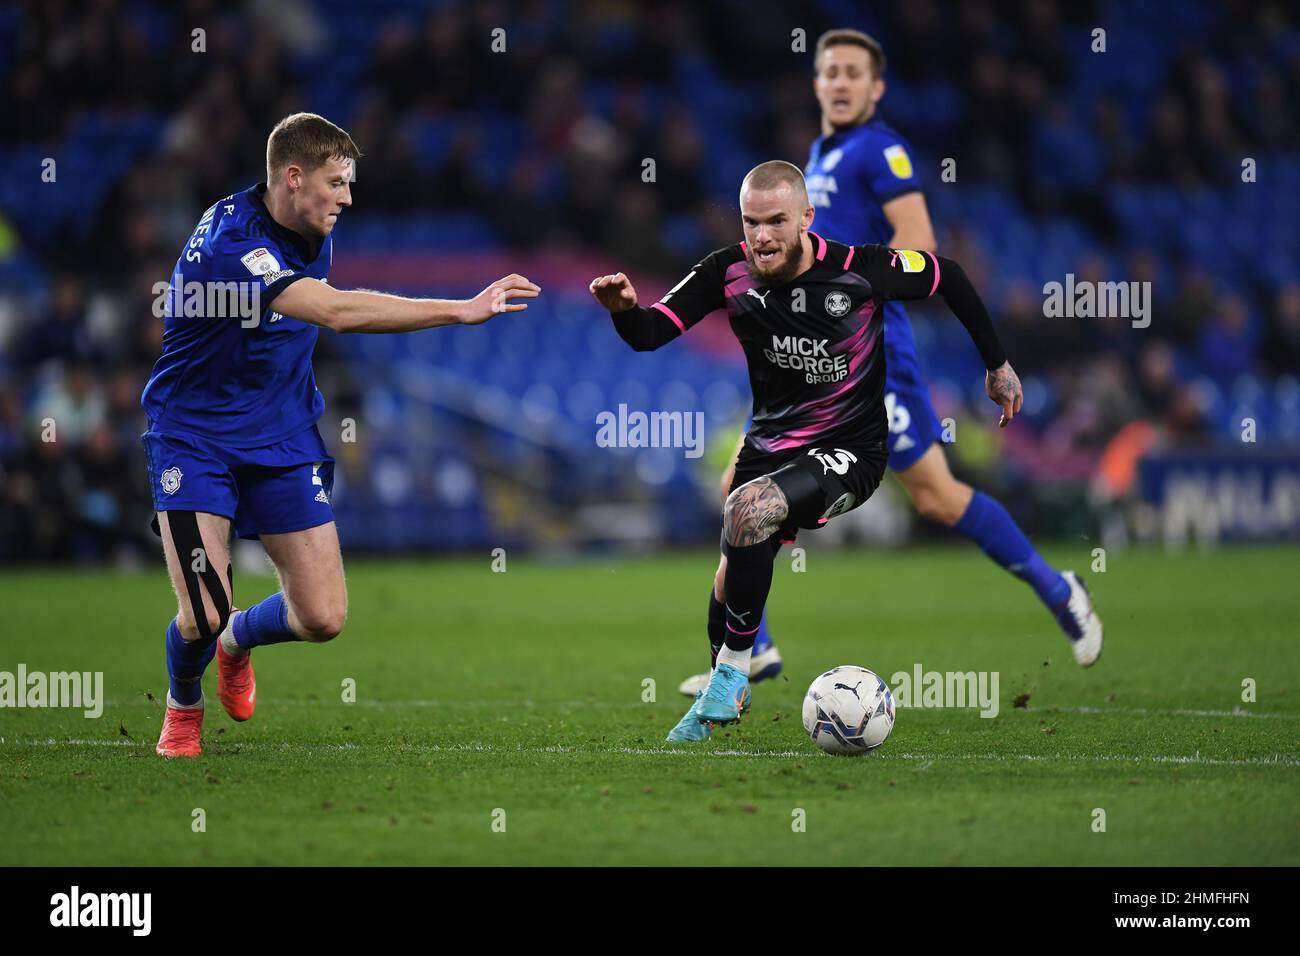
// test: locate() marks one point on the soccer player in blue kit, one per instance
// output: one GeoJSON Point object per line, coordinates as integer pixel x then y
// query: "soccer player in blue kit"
{"type": "Point", "coordinates": [863, 186]}
{"type": "Point", "coordinates": [232, 403]}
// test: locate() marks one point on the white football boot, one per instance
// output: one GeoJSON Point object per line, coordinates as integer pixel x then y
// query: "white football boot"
{"type": "Point", "coordinates": [1078, 618]}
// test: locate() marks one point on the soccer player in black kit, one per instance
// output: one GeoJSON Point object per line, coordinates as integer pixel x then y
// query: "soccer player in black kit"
{"type": "Point", "coordinates": [809, 315]}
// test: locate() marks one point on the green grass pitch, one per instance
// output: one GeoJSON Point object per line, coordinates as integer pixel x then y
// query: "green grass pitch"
{"type": "Point", "coordinates": [479, 692]}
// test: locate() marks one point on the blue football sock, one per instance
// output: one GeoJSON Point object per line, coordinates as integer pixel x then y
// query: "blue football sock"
{"type": "Point", "coordinates": [266, 622]}
{"type": "Point", "coordinates": [763, 639]}
{"type": "Point", "coordinates": [987, 524]}
{"type": "Point", "coordinates": [186, 661]}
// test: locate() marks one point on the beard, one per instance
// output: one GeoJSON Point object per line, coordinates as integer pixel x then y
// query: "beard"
{"type": "Point", "coordinates": [783, 269]}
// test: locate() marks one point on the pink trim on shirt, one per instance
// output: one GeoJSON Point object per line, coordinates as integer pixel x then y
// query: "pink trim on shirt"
{"type": "Point", "coordinates": [936, 272]}
{"type": "Point", "coordinates": [848, 258]}
{"type": "Point", "coordinates": [670, 313]}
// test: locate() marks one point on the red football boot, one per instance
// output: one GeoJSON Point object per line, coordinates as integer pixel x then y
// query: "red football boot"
{"type": "Point", "coordinates": [182, 731]}
{"type": "Point", "coordinates": [236, 685]}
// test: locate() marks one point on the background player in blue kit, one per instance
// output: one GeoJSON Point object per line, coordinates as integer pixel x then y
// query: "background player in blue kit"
{"type": "Point", "coordinates": [862, 183]}
{"type": "Point", "coordinates": [232, 403]}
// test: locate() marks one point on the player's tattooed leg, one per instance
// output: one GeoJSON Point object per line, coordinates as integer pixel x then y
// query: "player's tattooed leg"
{"type": "Point", "coordinates": [754, 511]}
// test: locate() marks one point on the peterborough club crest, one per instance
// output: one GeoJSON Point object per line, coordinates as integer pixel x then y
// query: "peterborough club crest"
{"type": "Point", "coordinates": [837, 304]}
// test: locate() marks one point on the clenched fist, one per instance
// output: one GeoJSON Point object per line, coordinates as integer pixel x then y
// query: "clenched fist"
{"type": "Point", "coordinates": [614, 293]}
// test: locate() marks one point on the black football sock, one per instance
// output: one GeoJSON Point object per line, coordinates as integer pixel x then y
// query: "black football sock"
{"type": "Point", "coordinates": [717, 627]}
{"type": "Point", "coordinates": [748, 580]}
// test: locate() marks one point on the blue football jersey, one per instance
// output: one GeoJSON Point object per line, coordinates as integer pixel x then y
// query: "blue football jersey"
{"type": "Point", "coordinates": [233, 369]}
{"type": "Point", "coordinates": [851, 175]}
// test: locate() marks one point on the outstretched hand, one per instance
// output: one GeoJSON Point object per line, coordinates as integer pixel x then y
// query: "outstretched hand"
{"type": "Point", "coordinates": [496, 299]}
{"type": "Point", "coordinates": [1003, 386]}
{"type": "Point", "coordinates": [614, 293]}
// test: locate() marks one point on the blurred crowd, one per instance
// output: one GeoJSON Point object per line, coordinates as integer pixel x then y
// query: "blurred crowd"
{"type": "Point", "coordinates": [540, 146]}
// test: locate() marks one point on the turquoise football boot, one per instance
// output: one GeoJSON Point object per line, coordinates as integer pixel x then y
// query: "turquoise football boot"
{"type": "Point", "coordinates": [726, 697]}
{"type": "Point", "coordinates": [691, 727]}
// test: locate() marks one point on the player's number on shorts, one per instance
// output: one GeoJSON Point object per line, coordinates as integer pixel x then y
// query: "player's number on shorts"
{"type": "Point", "coordinates": [899, 417]}
{"type": "Point", "coordinates": [837, 462]}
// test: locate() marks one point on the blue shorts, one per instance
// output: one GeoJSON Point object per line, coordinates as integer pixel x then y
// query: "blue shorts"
{"type": "Point", "coordinates": [913, 425]}
{"type": "Point", "coordinates": [273, 489]}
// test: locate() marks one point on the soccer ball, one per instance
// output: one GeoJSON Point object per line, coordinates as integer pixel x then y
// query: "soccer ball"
{"type": "Point", "coordinates": [848, 710]}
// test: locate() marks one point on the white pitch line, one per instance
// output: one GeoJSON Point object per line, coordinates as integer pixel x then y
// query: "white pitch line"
{"type": "Point", "coordinates": [1273, 760]}
{"type": "Point", "coordinates": [602, 705]}
{"type": "Point", "coordinates": [430, 702]}
{"type": "Point", "coordinates": [1155, 712]}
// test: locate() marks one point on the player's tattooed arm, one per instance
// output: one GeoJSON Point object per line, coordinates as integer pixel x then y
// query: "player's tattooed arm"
{"type": "Point", "coordinates": [1003, 386]}
{"type": "Point", "coordinates": [949, 279]}
{"type": "Point", "coordinates": [906, 274]}
{"type": "Point", "coordinates": [754, 511]}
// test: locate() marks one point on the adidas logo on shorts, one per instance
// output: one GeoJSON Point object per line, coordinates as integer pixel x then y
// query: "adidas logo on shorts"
{"type": "Point", "coordinates": [316, 480]}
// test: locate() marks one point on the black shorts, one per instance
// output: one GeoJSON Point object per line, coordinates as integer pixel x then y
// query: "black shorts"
{"type": "Point", "coordinates": [844, 475]}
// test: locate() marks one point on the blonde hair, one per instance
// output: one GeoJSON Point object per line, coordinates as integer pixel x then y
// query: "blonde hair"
{"type": "Point", "coordinates": [306, 140]}
{"type": "Point", "coordinates": [776, 173]}
{"type": "Point", "coordinates": [843, 36]}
